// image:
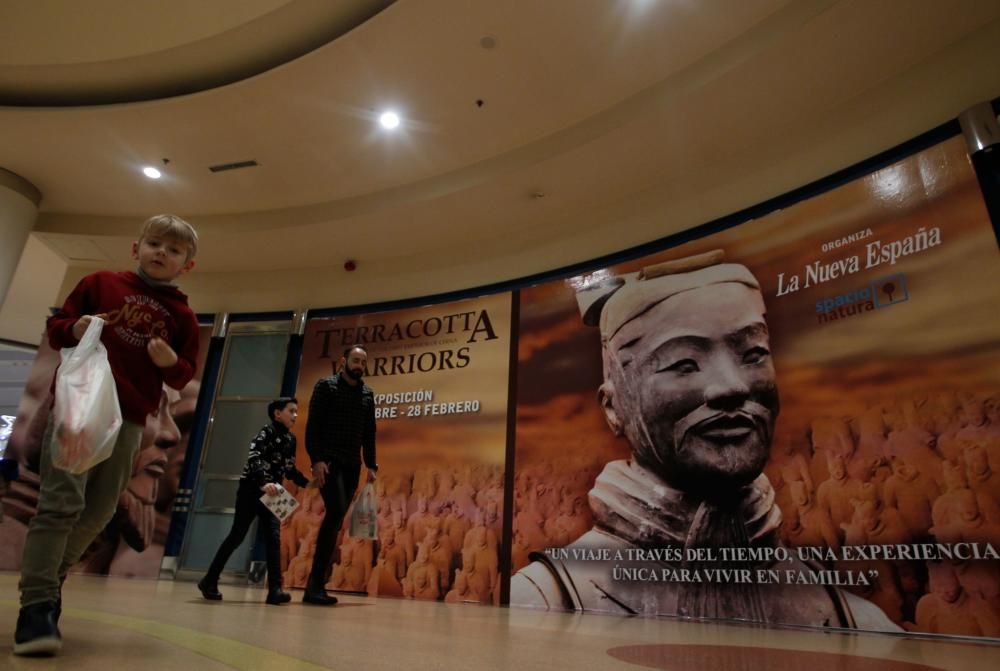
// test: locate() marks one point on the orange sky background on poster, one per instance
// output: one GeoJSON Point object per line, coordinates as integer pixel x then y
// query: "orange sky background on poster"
{"type": "Point", "coordinates": [944, 337]}
{"type": "Point", "coordinates": [405, 443]}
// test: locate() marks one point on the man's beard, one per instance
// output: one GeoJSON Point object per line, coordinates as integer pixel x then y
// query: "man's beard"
{"type": "Point", "coordinates": [137, 519]}
{"type": "Point", "coordinates": [354, 375]}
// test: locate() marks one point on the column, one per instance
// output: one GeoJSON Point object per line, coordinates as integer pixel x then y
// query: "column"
{"type": "Point", "coordinates": [19, 201]}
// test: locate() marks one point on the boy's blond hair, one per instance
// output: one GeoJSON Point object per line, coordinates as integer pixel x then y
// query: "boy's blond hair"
{"type": "Point", "coordinates": [173, 227]}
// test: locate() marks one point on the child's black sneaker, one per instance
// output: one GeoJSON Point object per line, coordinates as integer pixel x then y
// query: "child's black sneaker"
{"type": "Point", "coordinates": [37, 633]}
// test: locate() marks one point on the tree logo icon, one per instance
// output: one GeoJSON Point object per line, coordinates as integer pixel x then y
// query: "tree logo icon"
{"type": "Point", "coordinates": [890, 290]}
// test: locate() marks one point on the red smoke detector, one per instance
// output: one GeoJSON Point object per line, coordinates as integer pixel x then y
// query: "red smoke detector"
{"type": "Point", "coordinates": [350, 265]}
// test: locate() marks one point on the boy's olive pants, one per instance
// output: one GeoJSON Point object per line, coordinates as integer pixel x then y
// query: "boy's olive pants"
{"type": "Point", "coordinates": [72, 510]}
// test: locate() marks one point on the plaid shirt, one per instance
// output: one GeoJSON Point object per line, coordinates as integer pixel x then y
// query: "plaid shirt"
{"type": "Point", "coordinates": [272, 457]}
{"type": "Point", "coordinates": [341, 423]}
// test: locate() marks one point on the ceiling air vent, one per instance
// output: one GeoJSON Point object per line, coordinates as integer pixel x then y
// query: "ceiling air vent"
{"type": "Point", "coordinates": [222, 167]}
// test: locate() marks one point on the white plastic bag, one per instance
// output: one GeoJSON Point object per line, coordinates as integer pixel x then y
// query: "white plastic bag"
{"type": "Point", "coordinates": [86, 414]}
{"type": "Point", "coordinates": [364, 519]}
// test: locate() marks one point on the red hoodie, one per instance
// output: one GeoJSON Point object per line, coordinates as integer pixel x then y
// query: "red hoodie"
{"type": "Point", "coordinates": [135, 312]}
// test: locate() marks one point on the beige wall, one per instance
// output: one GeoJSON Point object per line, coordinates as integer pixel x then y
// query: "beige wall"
{"type": "Point", "coordinates": [297, 288]}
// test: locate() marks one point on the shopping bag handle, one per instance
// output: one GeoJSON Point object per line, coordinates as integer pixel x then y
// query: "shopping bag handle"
{"type": "Point", "coordinates": [90, 340]}
{"type": "Point", "coordinates": [93, 333]}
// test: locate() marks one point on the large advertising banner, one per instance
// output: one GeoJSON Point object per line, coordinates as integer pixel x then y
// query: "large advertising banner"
{"type": "Point", "coordinates": [439, 375]}
{"type": "Point", "coordinates": [793, 421]}
{"type": "Point", "coordinates": [132, 544]}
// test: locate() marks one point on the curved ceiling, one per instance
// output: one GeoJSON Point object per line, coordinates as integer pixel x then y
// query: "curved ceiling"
{"type": "Point", "coordinates": [534, 135]}
{"type": "Point", "coordinates": [100, 52]}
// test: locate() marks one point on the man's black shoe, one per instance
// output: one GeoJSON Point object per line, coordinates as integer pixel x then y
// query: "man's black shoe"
{"type": "Point", "coordinates": [37, 633]}
{"type": "Point", "coordinates": [318, 597]}
{"type": "Point", "coordinates": [209, 589]}
{"type": "Point", "coordinates": [276, 597]}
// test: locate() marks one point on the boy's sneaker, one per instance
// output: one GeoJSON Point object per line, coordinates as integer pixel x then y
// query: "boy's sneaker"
{"type": "Point", "coordinates": [37, 633]}
{"type": "Point", "coordinates": [257, 571]}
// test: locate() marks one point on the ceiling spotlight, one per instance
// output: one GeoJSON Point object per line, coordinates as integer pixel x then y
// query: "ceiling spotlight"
{"type": "Point", "coordinates": [151, 172]}
{"type": "Point", "coordinates": [389, 120]}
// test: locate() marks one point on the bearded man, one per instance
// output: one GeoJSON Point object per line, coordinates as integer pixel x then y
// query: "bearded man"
{"type": "Point", "coordinates": [340, 433]}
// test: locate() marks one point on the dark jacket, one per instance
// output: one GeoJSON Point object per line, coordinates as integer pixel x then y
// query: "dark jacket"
{"type": "Point", "coordinates": [272, 457]}
{"type": "Point", "coordinates": [341, 424]}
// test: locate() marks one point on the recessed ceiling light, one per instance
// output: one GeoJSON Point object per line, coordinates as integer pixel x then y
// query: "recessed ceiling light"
{"type": "Point", "coordinates": [151, 172]}
{"type": "Point", "coordinates": [389, 120]}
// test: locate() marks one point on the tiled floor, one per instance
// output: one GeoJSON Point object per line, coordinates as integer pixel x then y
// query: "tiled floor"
{"type": "Point", "coordinates": [112, 624]}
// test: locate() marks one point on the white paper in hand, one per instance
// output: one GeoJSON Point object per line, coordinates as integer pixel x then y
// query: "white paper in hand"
{"type": "Point", "coordinates": [281, 504]}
